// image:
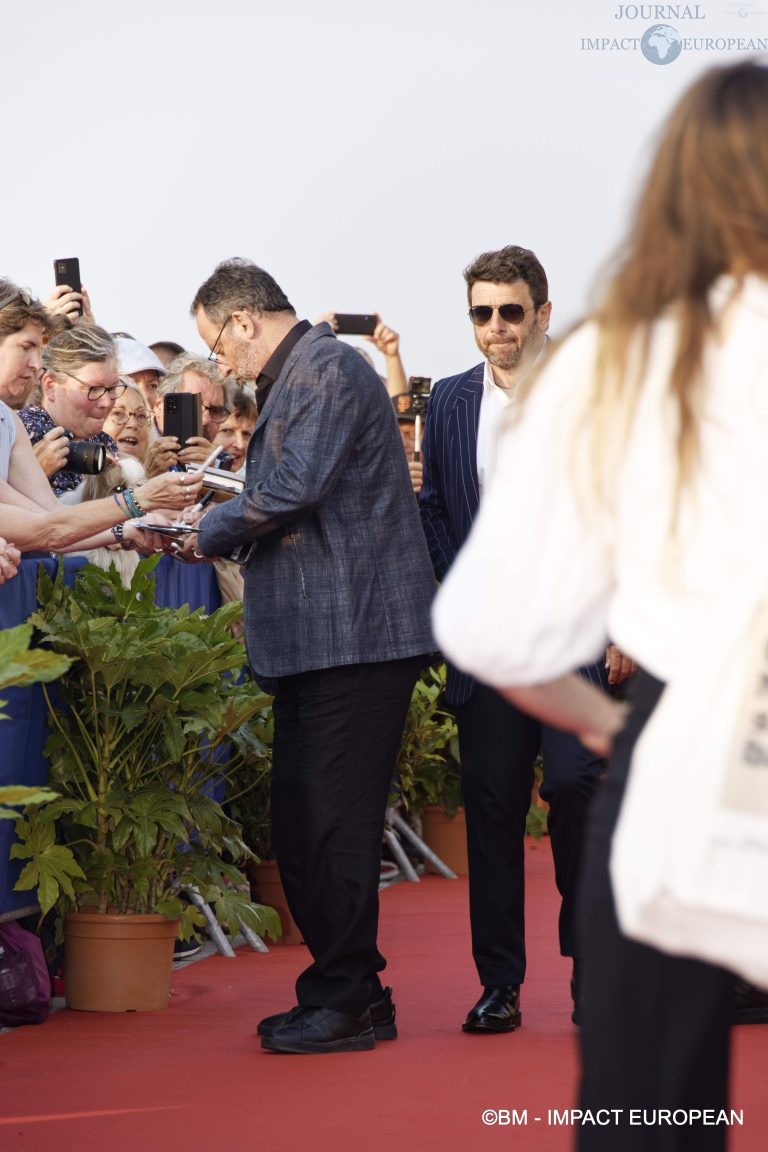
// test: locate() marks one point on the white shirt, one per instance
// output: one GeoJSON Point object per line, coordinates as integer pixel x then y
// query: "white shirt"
{"type": "Point", "coordinates": [552, 574]}
{"type": "Point", "coordinates": [493, 404]}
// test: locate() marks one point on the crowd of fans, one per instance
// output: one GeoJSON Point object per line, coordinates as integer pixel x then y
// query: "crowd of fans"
{"type": "Point", "coordinates": [82, 409]}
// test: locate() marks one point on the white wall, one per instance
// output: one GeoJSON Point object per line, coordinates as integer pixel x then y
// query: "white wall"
{"type": "Point", "coordinates": [362, 152]}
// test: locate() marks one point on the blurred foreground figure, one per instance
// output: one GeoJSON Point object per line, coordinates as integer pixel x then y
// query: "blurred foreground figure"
{"type": "Point", "coordinates": [647, 433]}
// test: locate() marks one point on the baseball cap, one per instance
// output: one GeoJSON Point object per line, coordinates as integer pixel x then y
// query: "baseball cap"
{"type": "Point", "coordinates": [133, 356]}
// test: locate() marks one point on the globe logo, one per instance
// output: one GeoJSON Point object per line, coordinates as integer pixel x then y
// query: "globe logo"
{"type": "Point", "coordinates": [661, 44]}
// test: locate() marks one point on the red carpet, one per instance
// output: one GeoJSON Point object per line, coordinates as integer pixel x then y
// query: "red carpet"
{"type": "Point", "coordinates": [195, 1077]}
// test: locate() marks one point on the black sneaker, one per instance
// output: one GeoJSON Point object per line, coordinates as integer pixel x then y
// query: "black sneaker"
{"type": "Point", "coordinates": [314, 1030]}
{"type": "Point", "coordinates": [382, 1011]}
{"type": "Point", "coordinates": [183, 949]}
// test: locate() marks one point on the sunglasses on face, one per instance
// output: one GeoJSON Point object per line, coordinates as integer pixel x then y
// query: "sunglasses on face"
{"type": "Point", "coordinates": [480, 314]}
{"type": "Point", "coordinates": [18, 294]}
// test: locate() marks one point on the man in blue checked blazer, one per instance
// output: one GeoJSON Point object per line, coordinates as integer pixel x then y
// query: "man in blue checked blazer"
{"type": "Point", "coordinates": [510, 312]}
{"type": "Point", "coordinates": [337, 596]}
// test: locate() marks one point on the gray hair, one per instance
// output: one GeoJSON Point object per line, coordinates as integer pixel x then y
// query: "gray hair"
{"type": "Point", "coordinates": [82, 344]}
{"type": "Point", "coordinates": [189, 362]}
{"type": "Point", "coordinates": [239, 285]}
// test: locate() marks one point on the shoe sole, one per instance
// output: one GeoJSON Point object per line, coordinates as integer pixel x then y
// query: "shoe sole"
{"type": "Point", "coordinates": [382, 1031]}
{"type": "Point", "coordinates": [365, 1042]}
{"type": "Point", "coordinates": [510, 1026]}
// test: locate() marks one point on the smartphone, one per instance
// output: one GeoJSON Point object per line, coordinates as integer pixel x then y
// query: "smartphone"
{"type": "Point", "coordinates": [182, 415]}
{"type": "Point", "coordinates": [356, 323]}
{"type": "Point", "coordinates": [68, 272]}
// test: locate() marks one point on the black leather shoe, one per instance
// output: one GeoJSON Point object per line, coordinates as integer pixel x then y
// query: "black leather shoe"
{"type": "Point", "coordinates": [383, 1013]}
{"type": "Point", "coordinates": [497, 1010]}
{"type": "Point", "coordinates": [317, 1030]}
{"type": "Point", "coordinates": [749, 1004]}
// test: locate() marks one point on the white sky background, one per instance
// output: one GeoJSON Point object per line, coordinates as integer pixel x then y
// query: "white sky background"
{"type": "Point", "coordinates": [362, 152]}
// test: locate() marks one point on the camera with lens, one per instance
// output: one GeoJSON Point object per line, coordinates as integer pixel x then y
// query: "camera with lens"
{"type": "Point", "coordinates": [85, 456]}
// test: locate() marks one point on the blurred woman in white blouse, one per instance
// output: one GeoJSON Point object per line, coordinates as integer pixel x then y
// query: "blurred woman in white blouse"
{"type": "Point", "coordinates": [638, 471]}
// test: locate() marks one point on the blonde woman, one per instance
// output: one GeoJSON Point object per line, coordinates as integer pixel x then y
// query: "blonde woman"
{"type": "Point", "coordinates": [647, 436]}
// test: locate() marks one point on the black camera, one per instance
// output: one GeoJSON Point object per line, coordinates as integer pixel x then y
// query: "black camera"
{"type": "Point", "coordinates": [419, 387]}
{"type": "Point", "coordinates": [413, 403]}
{"type": "Point", "coordinates": [85, 457]}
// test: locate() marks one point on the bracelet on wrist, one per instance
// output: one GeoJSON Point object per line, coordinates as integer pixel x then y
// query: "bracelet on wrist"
{"type": "Point", "coordinates": [134, 508]}
{"type": "Point", "coordinates": [119, 534]}
{"type": "Point", "coordinates": [121, 505]}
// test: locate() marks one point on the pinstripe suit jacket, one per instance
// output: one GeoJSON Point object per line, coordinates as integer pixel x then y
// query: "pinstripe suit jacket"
{"type": "Point", "coordinates": [450, 493]}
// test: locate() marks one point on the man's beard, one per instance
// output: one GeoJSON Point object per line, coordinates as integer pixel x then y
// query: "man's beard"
{"type": "Point", "coordinates": [507, 356]}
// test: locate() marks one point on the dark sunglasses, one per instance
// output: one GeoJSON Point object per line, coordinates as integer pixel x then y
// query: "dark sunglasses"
{"type": "Point", "coordinates": [19, 294]}
{"type": "Point", "coordinates": [480, 314]}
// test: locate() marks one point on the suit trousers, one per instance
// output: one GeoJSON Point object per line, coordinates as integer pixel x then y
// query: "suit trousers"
{"type": "Point", "coordinates": [655, 1027]}
{"type": "Point", "coordinates": [336, 740]}
{"type": "Point", "coordinates": [499, 745]}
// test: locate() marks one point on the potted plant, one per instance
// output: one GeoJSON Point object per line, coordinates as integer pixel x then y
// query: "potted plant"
{"type": "Point", "coordinates": [147, 723]}
{"type": "Point", "coordinates": [250, 805]}
{"type": "Point", "coordinates": [428, 774]}
{"type": "Point", "coordinates": [20, 667]}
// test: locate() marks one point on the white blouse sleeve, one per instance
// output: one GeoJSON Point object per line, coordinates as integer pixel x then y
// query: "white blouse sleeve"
{"type": "Point", "coordinates": [527, 598]}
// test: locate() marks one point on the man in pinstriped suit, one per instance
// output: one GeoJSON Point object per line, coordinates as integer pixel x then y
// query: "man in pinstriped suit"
{"type": "Point", "coordinates": [510, 312]}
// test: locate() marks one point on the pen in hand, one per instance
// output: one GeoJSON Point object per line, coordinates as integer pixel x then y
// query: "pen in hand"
{"type": "Point", "coordinates": [206, 464]}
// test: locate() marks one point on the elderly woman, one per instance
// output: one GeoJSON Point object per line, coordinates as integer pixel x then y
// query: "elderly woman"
{"type": "Point", "coordinates": [129, 423]}
{"type": "Point", "coordinates": [30, 514]}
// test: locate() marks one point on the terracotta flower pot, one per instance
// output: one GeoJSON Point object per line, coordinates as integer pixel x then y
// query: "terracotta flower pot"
{"type": "Point", "coordinates": [118, 963]}
{"type": "Point", "coordinates": [267, 888]}
{"type": "Point", "coordinates": [447, 836]}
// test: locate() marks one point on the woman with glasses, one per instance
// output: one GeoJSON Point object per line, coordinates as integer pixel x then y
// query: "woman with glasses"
{"type": "Point", "coordinates": [30, 515]}
{"type": "Point", "coordinates": [129, 423]}
{"type": "Point", "coordinates": [80, 384]}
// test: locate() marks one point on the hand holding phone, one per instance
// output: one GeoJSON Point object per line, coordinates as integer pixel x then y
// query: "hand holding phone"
{"type": "Point", "coordinates": [66, 274]}
{"type": "Point", "coordinates": [182, 415]}
{"type": "Point", "coordinates": [356, 323]}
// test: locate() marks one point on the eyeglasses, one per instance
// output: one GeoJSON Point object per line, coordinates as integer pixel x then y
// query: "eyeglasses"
{"type": "Point", "coordinates": [213, 355]}
{"type": "Point", "coordinates": [19, 294]}
{"type": "Point", "coordinates": [120, 416]}
{"type": "Point", "coordinates": [95, 391]}
{"type": "Point", "coordinates": [217, 412]}
{"type": "Point", "coordinates": [480, 314]}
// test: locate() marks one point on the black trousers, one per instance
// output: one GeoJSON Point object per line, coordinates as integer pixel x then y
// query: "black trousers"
{"type": "Point", "coordinates": [499, 745]}
{"type": "Point", "coordinates": [655, 1028]}
{"type": "Point", "coordinates": [337, 735]}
